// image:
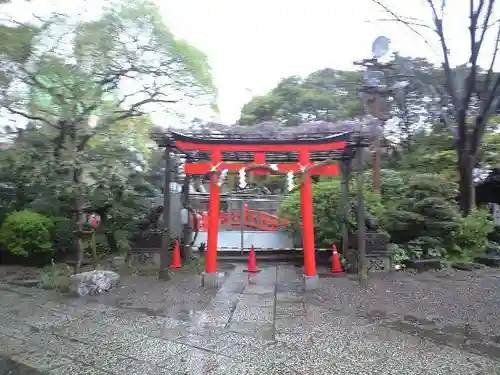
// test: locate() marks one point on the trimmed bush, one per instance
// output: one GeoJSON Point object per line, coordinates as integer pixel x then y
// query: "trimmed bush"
{"type": "Point", "coordinates": [423, 218]}
{"type": "Point", "coordinates": [25, 233]}
{"type": "Point", "coordinates": [473, 232]}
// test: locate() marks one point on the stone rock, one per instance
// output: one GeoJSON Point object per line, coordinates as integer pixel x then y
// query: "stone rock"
{"type": "Point", "coordinates": [93, 282]}
{"type": "Point", "coordinates": [118, 261]}
{"type": "Point", "coordinates": [466, 266]}
{"type": "Point", "coordinates": [422, 265]}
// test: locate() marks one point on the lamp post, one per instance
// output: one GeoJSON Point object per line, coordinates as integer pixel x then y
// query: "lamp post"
{"type": "Point", "coordinates": [374, 93]}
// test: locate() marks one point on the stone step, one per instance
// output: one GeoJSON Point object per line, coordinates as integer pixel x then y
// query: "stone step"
{"type": "Point", "coordinates": [490, 261]}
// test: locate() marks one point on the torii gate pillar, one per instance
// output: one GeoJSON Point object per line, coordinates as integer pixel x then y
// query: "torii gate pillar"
{"type": "Point", "coordinates": [306, 205]}
{"type": "Point", "coordinates": [210, 277]}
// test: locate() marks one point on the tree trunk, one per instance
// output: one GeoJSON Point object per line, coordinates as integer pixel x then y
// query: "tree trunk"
{"type": "Point", "coordinates": [466, 163]}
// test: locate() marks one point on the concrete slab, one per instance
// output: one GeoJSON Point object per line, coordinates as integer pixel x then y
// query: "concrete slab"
{"type": "Point", "coordinates": [40, 359]}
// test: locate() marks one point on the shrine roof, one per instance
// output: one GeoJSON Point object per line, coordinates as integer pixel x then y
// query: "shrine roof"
{"type": "Point", "coordinates": [260, 139]}
{"type": "Point", "coordinates": [353, 133]}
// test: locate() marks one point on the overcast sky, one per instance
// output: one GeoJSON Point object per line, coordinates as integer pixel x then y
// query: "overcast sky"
{"type": "Point", "coordinates": [251, 44]}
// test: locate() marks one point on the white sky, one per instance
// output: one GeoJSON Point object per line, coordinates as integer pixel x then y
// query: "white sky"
{"type": "Point", "coordinates": [252, 44]}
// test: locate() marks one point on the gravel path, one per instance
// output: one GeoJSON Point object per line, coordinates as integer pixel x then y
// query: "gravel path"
{"type": "Point", "coordinates": [435, 323]}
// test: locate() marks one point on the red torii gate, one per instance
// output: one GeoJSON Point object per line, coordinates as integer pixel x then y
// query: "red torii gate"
{"type": "Point", "coordinates": [223, 152]}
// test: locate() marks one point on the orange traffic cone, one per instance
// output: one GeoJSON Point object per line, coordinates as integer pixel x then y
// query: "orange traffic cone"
{"type": "Point", "coordinates": [176, 258]}
{"type": "Point", "coordinates": [336, 266]}
{"type": "Point", "coordinates": [252, 262]}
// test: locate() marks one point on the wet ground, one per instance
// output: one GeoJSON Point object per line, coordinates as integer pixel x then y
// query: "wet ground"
{"type": "Point", "coordinates": [9, 367]}
{"type": "Point", "coordinates": [435, 323]}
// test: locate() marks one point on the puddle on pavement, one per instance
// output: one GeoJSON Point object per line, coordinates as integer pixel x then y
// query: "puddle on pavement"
{"type": "Point", "coordinates": [9, 367]}
{"type": "Point", "coordinates": [185, 315]}
{"type": "Point", "coordinates": [146, 311]}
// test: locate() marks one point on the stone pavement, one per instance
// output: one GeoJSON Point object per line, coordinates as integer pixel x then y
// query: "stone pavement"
{"type": "Point", "coordinates": [254, 324]}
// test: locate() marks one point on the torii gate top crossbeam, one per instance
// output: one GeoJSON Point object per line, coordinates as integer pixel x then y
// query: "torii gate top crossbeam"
{"type": "Point", "coordinates": [321, 140]}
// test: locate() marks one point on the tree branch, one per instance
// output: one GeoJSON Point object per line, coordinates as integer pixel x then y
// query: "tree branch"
{"type": "Point", "coordinates": [475, 47]}
{"type": "Point", "coordinates": [27, 116]}
{"type": "Point", "coordinates": [438, 23]}
{"type": "Point", "coordinates": [34, 80]}
{"type": "Point", "coordinates": [404, 22]}
{"type": "Point", "coordinates": [489, 74]}
{"type": "Point", "coordinates": [132, 111]}
{"type": "Point", "coordinates": [488, 108]}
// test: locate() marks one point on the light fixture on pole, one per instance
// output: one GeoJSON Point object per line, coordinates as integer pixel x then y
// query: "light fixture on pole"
{"type": "Point", "coordinates": [374, 90]}
{"type": "Point", "coordinates": [380, 47]}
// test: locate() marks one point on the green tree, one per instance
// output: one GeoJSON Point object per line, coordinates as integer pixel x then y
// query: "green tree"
{"type": "Point", "coordinates": [469, 97]}
{"type": "Point", "coordinates": [78, 93]}
{"type": "Point", "coordinates": [327, 94]}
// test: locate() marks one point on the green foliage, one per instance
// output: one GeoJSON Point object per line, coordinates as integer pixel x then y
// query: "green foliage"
{"type": "Point", "coordinates": [87, 144]}
{"type": "Point", "coordinates": [398, 254]}
{"type": "Point", "coordinates": [328, 212]}
{"type": "Point", "coordinates": [26, 232]}
{"type": "Point", "coordinates": [327, 94]}
{"type": "Point", "coordinates": [472, 236]}
{"type": "Point", "coordinates": [490, 150]}
{"type": "Point", "coordinates": [423, 217]}
{"type": "Point", "coordinates": [418, 211]}
{"type": "Point", "coordinates": [260, 109]}
{"type": "Point", "coordinates": [16, 41]}
{"type": "Point", "coordinates": [62, 235]}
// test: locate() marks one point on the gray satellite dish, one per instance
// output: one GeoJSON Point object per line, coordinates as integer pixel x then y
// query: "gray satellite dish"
{"type": "Point", "coordinates": [380, 46]}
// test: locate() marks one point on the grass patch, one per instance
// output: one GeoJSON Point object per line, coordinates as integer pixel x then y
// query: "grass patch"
{"type": "Point", "coordinates": [56, 276]}
{"type": "Point", "coordinates": [195, 267]}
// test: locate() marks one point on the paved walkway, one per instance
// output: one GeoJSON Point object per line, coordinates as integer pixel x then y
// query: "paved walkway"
{"type": "Point", "coordinates": [257, 324]}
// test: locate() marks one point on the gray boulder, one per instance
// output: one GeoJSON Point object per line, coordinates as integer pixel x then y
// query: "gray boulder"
{"type": "Point", "coordinates": [93, 282]}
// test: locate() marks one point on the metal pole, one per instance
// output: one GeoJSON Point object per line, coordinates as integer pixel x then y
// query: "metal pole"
{"type": "Point", "coordinates": [345, 206]}
{"type": "Point", "coordinates": [165, 243]}
{"type": "Point", "coordinates": [94, 250]}
{"type": "Point", "coordinates": [374, 97]}
{"type": "Point", "coordinates": [362, 271]}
